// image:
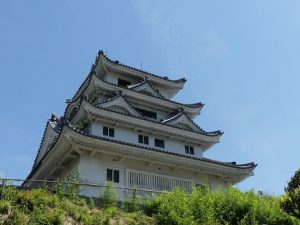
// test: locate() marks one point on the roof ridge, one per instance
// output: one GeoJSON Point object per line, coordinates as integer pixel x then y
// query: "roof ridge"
{"type": "Point", "coordinates": [209, 134]}
{"type": "Point", "coordinates": [118, 95]}
{"type": "Point", "coordinates": [230, 164]}
{"type": "Point", "coordinates": [146, 81]}
{"type": "Point", "coordinates": [91, 75]}
{"type": "Point", "coordinates": [181, 112]}
{"type": "Point", "coordinates": [193, 105]}
{"type": "Point", "coordinates": [66, 122]}
{"type": "Point", "coordinates": [100, 52]}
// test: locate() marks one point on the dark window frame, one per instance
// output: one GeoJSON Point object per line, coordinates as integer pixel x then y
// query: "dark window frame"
{"type": "Point", "coordinates": [189, 150]}
{"type": "Point", "coordinates": [143, 139]}
{"type": "Point", "coordinates": [113, 175]}
{"type": "Point", "coordinates": [108, 131]}
{"type": "Point", "coordinates": [159, 143]}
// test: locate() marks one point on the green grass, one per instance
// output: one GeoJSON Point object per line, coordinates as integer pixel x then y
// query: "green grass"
{"type": "Point", "coordinates": [40, 206]}
{"type": "Point", "coordinates": [202, 206]}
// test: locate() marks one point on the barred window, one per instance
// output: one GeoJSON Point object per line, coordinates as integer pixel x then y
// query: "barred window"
{"type": "Point", "coordinates": [113, 175]}
{"type": "Point", "coordinates": [159, 143]}
{"type": "Point", "coordinates": [189, 150]}
{"type": "Point", "coordinates": [144, 139]}
{"type": "Point", "coordinates": [107, 131]}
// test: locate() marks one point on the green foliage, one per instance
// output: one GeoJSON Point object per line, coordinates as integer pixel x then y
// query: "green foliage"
{"type": "Point", "coordinates": [109, 197]}
{"type": "Point", "coordinates": [202, 202]}
{"type": "Point", "coordinates": [202, 206]}
{"type": "Point", "coordinates": [40, 206]}
{"type": "Point", "coordinates": [294, 183]}
{"type": "Point", "coordinates": [91, 203]}
{"type": "Point", "coordinates": [172, 208]}
{"type": "Point", "coordinates": [38, 198]}
{"type": "Point", "coordinates": [8, 192]}
{"type": "Point", "coordinates": [5, 207]}
{"type": "Point", "coordinates": [17, 217]}
{"type": "Point", "coordinates": [68, 187]}
{"type": "Point", "coordinates": [134, 202]}
{"type": "Point", "coordinates": [291, 200]}
{"type": "Point", "coordinates": [59, 189]}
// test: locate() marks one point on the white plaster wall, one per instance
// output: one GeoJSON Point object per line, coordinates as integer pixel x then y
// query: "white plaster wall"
{"type": "Point", "coordinates": [130, 136]}
{"type": "Point", "coordinates": [93, 170]}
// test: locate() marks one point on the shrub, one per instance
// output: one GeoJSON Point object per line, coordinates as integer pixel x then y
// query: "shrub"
{"type": "Point", "coordinates": [291, 200]}
{"type": "Point", "coordinates": [38, 198]}
{"type": "Point", "coordinates": [172, 208]}
{"type": "Point", "coordinates": [202, 201]}
{"type": "Point", "coordinates": [109, 197]}
{"type": "Point", "coordinates": [134, 203]}
{"type": "Point", "coordinates": [17, 217]}
{"type": "Point", "coordinates": [229, 206]}
{"type": "Point", "coordinates": [91, 203]}
{"type": "Point", "coordinates": [5, 207]}
{"type": "Point", "coordinates": [9, 192]}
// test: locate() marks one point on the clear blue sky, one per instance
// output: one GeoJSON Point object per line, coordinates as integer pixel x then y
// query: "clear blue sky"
{"type": "Point", "coordinates": [241, 58]}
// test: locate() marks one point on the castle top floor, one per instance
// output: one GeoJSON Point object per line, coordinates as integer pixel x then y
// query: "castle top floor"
{"type": "Point", "coordinates": [119, 74]}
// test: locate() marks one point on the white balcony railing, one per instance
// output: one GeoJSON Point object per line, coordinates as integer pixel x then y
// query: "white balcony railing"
{"type": "Point", "coordinates": [155, 182]}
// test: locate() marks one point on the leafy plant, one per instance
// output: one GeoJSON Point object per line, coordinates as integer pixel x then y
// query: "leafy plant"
{"type": "Point", "coordinates": [173, 208]}
{"type": "Point", "coordinates": [291, 200]}
{"type": "Point", "coordinates": [109, 197]}
{"type": "Point", "coordinates": [134, 202]}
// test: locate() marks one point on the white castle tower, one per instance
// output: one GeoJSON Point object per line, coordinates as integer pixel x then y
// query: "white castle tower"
{"type": "Point", "coordinates": [122, 126]}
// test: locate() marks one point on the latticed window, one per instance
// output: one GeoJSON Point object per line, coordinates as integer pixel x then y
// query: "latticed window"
{"type": "Point", "coordinates": [189, 150]}
{"type": "Point", "coordinates": [107, 131]}
{"type": "Point", "coordinates": [144, 139]}
{"type": "Point", "coordinates": [113, 175]}
{"type": "Point", "coordinates": [159, 143]}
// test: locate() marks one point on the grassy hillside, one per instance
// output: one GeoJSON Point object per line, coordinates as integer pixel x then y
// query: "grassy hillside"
{"type": "Point", "coordinates": [201, 207]}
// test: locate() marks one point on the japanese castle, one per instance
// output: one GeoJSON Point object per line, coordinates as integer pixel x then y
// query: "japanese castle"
{"type": "Point", "coordinates": [123, 126]}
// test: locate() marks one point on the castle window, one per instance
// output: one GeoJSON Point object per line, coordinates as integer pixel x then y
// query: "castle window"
{"type": "Point", "coordinates": [113, 175]}
{"type": "Point", "coordinates": [123, 83]}
{"type": "Point", "coordinates": [144, 139]}
{"type": "Point", "coordinates": [159, 143]}
{"type": "Point", "coordinates": [107, 131]}
{"type": "Point", "coordinates": [189, 150]}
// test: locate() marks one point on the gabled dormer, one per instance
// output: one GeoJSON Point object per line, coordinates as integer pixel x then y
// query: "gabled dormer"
{"type": "Point", "coordinates": [145, 87]}
{"type": "Point", "coordinates": [118, 104]}
{"type": "Point", "coordinates": [183, 121]}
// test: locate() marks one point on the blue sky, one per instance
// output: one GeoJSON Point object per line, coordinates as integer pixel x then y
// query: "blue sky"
{"type": "Point", "coordinates": [241, 58]}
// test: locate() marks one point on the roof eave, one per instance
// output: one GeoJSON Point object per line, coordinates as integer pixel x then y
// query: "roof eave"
{"type": "Point", "coordinates": [178, 83]}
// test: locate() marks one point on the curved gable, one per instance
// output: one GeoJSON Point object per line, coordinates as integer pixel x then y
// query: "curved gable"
{"type": "Point", "coordinates": [146, 87]}
{"type": "Point", "coordinates": [119, 104]}
{"type": "Point", "coordinates": [182, 121]}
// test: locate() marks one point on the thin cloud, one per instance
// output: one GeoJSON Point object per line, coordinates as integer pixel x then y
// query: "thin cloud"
{"type": "Point", "coordinates": [168, 31]}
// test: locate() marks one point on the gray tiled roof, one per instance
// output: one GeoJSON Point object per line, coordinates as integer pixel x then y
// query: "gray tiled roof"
{"type": "Point", "coordinates": [182, 80]}
{"type": "Point", "coordinates": [66, 123]}
{"type": "Point", "coordinates": [211, 134]}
